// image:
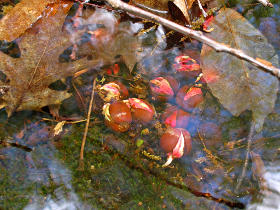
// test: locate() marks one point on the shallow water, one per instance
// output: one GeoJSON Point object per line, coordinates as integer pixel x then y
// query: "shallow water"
{"type": "Point", "coordinates": [118, 174]}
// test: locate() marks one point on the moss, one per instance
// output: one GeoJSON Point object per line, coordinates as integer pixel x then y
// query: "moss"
{"type": "Point", "coordinates": [111, 179]}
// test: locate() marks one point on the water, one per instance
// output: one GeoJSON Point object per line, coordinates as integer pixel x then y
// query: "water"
{"type": "Point", "coordinates": [120, 175]}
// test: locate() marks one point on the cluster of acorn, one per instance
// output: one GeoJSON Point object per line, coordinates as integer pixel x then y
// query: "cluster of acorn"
{"type": "Point", "coordinates": [119, 113]}
{"type": "Point", "coordinates": [176, 141]}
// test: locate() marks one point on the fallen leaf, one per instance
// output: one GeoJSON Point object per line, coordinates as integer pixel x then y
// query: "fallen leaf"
{"type": "Point", "coordinates": [58, 128]}
{"type": "Point", "coordinates": [158, 6]}
{"type": "Point", "coordinates": [21, 17]}
{"type": "Point", "coordinates": [238, 85]}
{"type": "Point", "coordinates": [115, 39]}
{"type": "Point", "coordinates": [182, 6]}
{"type": "Point", "coordinates": [190, 3]}
{"type": "Point", "coordinates": [177, 8]}
{"type": "Point", "coordinates": [30, 75]}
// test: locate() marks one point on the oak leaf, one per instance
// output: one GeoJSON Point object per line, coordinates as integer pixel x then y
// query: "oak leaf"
{"type": "Point", "coordinates": [29, 77]}
{"type": "Point", "coordinates": [21, 17]}
{"type": "Point", "coordinates": [239, 85]}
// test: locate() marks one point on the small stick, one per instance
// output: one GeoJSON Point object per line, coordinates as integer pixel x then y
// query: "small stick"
{"type": "Point", "coordinates": [81, 163]}
{"type": "Point", "coordinates": [251, 132]}
{"type": "Point", "coordinates": [202, 10]}
{"type": "Point", "coordinates": [198, 35]}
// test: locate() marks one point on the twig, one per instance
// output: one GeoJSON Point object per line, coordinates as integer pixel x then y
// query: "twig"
{"type": "Point", "coordinates": [81, 163]}
{"type": "Point", "coordinates": [202, 10]}
{"type": "Point", "coordinates": [6, 143]}
{"type": "Point", "coordinates": [251, 132]}
{"type": "Point", "coordinates": [198, 35]}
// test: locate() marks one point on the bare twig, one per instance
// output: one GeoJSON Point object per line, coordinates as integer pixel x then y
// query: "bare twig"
{"type": "Point", "coordinates": [198, 35]}
{"type": "Point", "coordinates": [250, 136]}
{"type": "Point", "coordinates": [81, 164]}
{"type": "Point", "coordinates": [201, 9]}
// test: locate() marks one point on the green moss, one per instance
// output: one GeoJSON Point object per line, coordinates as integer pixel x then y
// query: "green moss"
{"type": "Point", "coordinates": [110, 179]}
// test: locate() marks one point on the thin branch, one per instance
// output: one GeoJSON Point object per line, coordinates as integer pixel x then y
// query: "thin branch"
{"type": "Point", "coordinates": [198, 35]}
{"type": "Point", "coordinates": [81, 164]}
{"type": "Point", "coordinates": [250, 136]}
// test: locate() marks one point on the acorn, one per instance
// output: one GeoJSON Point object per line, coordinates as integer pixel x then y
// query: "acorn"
{"type": "Point", "coordinates": [164, 88]}
{"type": "Point", "coordinates": [189, 97]}
{"type": "Point", "coordinates": [175, 117]}
{"type": "Point", "coordinates": [117, 116]}
{"type": "Point", "coordinates": [186, 66]}
{"type": "Point", "coordinates": [175, 142]}
{"type": "Point", "coordinates": [141, 110]}
{"type": "Point", "coordinates": [113, 91]}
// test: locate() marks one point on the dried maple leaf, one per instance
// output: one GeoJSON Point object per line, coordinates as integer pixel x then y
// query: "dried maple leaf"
{"type": "Point", "coordinates": [21, 17]}
{"type": "Point", "coordinates": [30, 75]}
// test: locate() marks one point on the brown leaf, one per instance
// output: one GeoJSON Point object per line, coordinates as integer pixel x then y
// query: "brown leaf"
{"type": "Point", "coordinates": [156, 5]}
{"type": "Point", "coordinates": [31, 74]}
{"type": "Point", "coordinates": [21, 17]}
{"type": "Point", "coordinates": [113, 40]}
{"type": "Point", "coordinates": [239, 85]}
{"type": "Point", "coordinates": [179, 11]}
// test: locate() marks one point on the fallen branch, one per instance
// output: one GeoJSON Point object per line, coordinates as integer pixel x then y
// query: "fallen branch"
{"type": "Point", "coordinates": [198, 35]}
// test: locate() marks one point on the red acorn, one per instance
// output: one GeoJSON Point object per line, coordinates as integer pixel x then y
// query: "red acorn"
{"type": "Point", "coordinates": [113, 70]}
{"type": "Point", "coordinates": [164, 88]}
{"type": "Point", "coordinates": [189, 98]}
{"type": "Point", "coordinates": [186, 66]}
{"type": "Point", "coordinates": [117, 116]}
{"type": "Point", "coordinates": [141, 110]}
{"type": "Point", "coordinates": [175, 118]}
{"type": "Point", "coordinates": [175, 142]}
{"type": "Point", "coordinates": [113, 91]}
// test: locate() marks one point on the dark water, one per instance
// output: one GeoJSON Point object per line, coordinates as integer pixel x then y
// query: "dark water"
{"type": "Point", "coordinates": [40, 171]}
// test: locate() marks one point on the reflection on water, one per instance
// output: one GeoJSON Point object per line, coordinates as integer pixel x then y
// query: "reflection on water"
{"type": "Point", "coordinates": [271, 195]}
{"type": "Point", "coordinates": [71, 202]}
{"type": "Point", "coordinates": [121, 178]}
{"type": "Point", "coordinates": [49, 171]}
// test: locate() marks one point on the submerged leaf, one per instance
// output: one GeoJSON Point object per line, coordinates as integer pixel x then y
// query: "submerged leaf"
{"type": "Point", "coordinates": [21, 17]}
{"type": "Point", "coordinates": [116, 39]}
{"type": "Point", "coordinates": [240, 86]}
{"type": "Point", "coordinates": [30, 75]}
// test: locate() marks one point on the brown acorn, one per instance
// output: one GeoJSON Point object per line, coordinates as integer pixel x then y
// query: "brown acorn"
{"type": "Point", "coordinates": [117, 116]}
{"type": "Point", "coordinates": [189, 97]}
{"type": "Point", "coordinates": [186, 66]}
{"type": "Point", "coordinates": [113, 91]}
{"type": "Point", "coordinates": [175, 117]}
{"type": "Point", "coordinates": [142, 111]}
{"type": "Point", "coordinates": [175, 142]}
{"type": "Point", "coordinates": [164, 88]}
